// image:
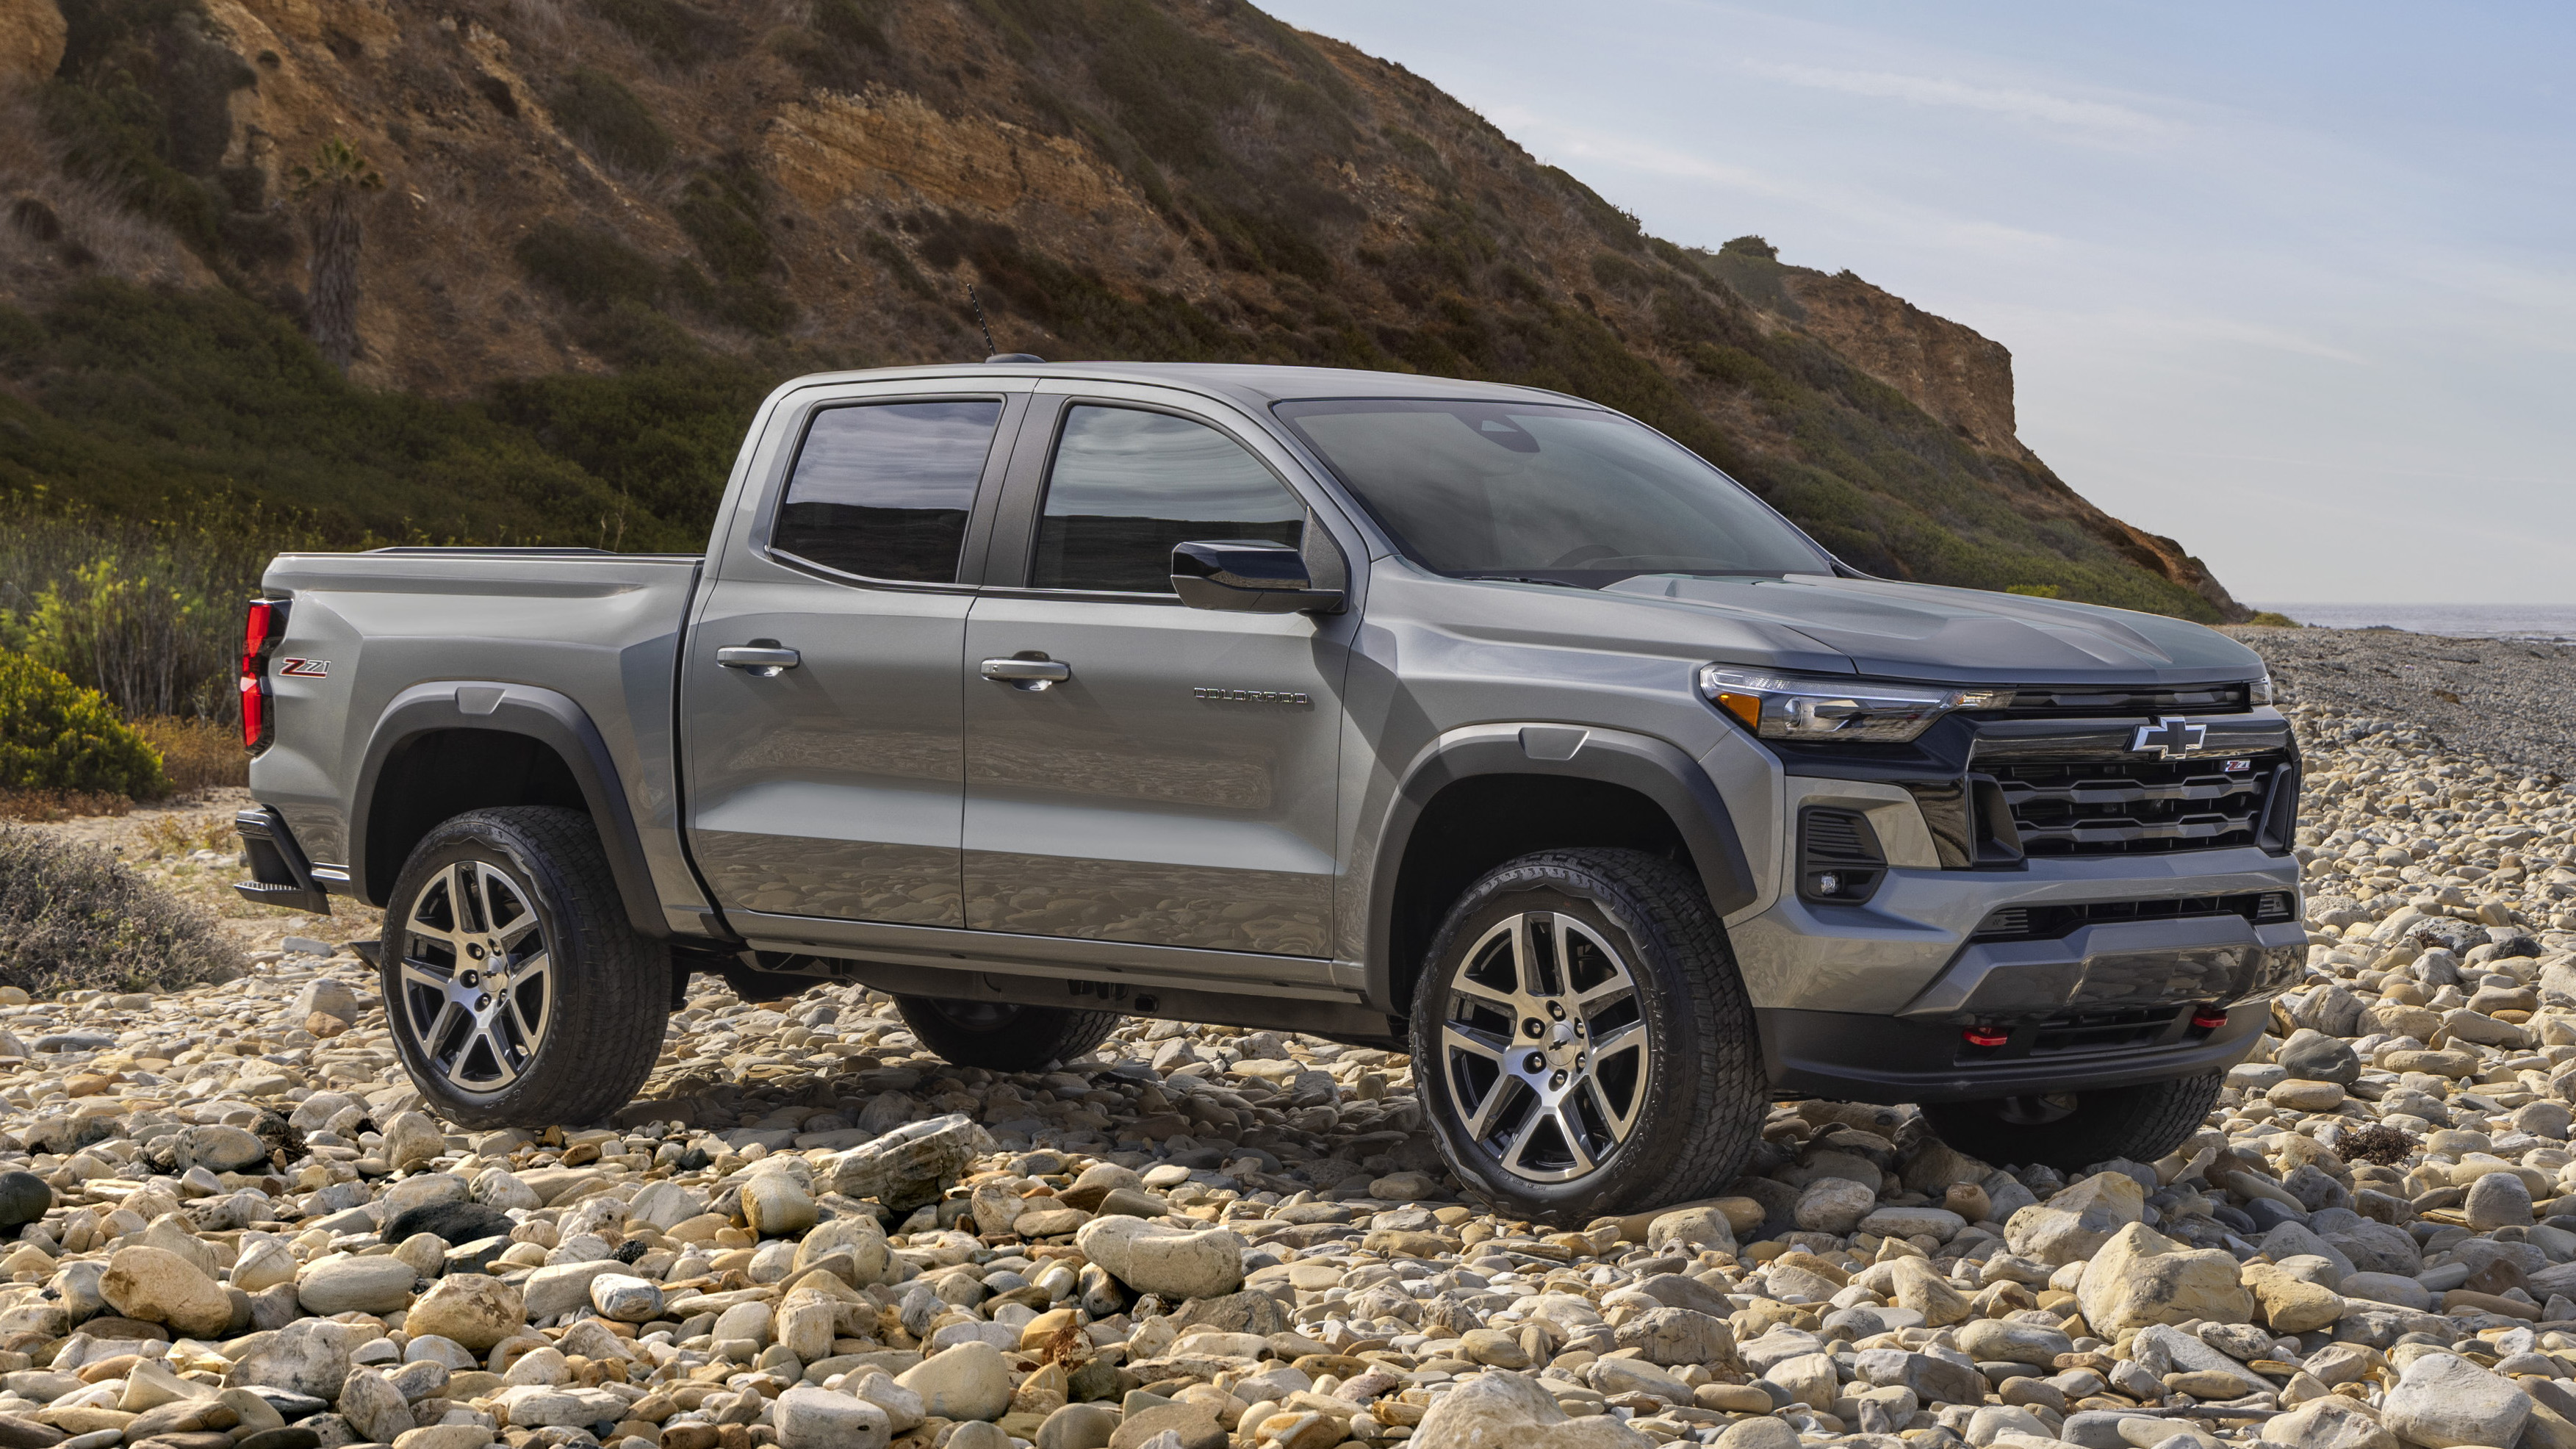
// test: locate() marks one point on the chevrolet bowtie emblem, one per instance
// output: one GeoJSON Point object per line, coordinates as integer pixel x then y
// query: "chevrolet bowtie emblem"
{"type": "Point", "coordinates": [2170, 737]}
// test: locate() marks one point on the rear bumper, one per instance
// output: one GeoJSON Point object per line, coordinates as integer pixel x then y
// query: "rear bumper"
{"type": "Point", "coordinates": [1856, 1057]}
{"type": "Point", "coordinates": [280, 874]}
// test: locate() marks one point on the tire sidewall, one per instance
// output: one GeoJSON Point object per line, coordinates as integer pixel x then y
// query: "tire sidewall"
{"type": "Point", "coordinates": [480, 838]}
{"type": "Point", "coordinates": [1671, 1086]}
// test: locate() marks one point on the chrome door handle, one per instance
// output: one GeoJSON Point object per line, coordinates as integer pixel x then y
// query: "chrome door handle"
{"type": "Point", "coordinates": [757, 660]}
{"type": "Point", "coordinates": [1028, 674]}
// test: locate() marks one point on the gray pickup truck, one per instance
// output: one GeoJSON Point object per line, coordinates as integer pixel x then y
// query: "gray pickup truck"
{"type": "Point", "coordinates": [1471, 719]}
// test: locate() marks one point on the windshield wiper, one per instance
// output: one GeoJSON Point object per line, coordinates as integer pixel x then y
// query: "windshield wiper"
{"type": "Point", "coordinates": [1522, 579]}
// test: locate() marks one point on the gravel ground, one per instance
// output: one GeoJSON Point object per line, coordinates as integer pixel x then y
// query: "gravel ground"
{"type": "Point", "coordinates": [2511, 700]}
{"type": "Point", "coordinates": [239, 1228]}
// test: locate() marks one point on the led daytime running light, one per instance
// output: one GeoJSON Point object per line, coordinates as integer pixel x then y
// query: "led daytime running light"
{"type": "Point", "coordinates": [1807, 707]}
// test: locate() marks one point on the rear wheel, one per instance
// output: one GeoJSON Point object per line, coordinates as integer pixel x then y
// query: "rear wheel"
{"type": "Point", "coordinates": [1582, 1041]}
{"type": "Point", "coordinates": [518, 993]}
{"type": "Point", "coordinates": [2074, 1130]}
{"type": "Point", "coordinates": [1002, 1036]}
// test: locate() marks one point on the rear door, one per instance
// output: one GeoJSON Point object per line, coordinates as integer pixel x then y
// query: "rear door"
{"type": "Point", "coordinates": [1177, 786]}
{"type": "Point", "coordinates": [820, 694]}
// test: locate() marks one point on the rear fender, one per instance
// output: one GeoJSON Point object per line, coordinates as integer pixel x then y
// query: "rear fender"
{"type": "Point", "coordinates": [377, 847]}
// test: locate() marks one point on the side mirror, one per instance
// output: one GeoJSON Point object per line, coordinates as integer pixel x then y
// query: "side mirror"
{"type": "Point", "coordinates": [1247, 576]}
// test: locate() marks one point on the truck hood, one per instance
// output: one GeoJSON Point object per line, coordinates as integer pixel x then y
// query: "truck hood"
{"type": "Point", "coordinates": [1963, 636]}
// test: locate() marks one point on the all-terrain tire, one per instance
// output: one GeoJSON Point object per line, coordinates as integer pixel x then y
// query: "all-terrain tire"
{"type": "Point", "coordinates": [565, 1040]}
{"type": "Point", "coordinates": [2139, 1123]}
{"type": "Point", "coordinates": [1003, 1037]}
{"type": "Point", "coordinates": [1694, 1105]}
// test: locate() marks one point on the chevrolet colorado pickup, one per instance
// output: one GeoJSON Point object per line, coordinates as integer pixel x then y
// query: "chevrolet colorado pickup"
{"type": "Point", "coordinates": [1471, 719]}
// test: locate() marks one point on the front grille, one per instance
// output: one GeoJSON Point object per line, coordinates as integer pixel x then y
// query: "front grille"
{"type": "Point", "coordinates": [2134, 806]}
{"type": "Point", "coordinates": [2053, 922]}
{"type": "Point", "coordinates": [2077, 701]}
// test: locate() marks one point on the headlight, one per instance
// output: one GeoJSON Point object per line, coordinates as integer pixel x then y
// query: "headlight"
{"type": "Point", "coordinates": [2260, 691]}
{"type": "Point", "coordinates": [1808, 707]}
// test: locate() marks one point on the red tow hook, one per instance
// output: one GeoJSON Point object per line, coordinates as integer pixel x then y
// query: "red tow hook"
{"type": "Point", "coordinates": [1985, 1036]}
{"type": "Point", "coordinates": [2208, 1018]}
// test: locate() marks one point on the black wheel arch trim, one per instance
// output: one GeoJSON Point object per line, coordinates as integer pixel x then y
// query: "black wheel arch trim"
{"type": "Point", "coordinates": [1654, 768]}
{"type": "Point", "coordinates": [546, 716]}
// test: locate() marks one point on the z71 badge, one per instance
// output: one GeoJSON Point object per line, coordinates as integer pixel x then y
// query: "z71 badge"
{"type": "Point", "coordinates": [304, 668]}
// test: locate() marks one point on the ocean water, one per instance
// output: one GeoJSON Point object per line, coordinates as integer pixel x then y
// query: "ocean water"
{"type": "Point", "coordinates": [2555, 622]}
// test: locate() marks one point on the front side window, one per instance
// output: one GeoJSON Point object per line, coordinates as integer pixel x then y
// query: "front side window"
{"type": "Point", "coordinates": [1127, 484]}
{"type": "Point", "coordinates": [1566, 494]}
{"type": "Point", "coordinates": [882, 490]}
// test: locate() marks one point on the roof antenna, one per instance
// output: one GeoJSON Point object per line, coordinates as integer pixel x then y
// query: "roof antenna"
{"type": "Point", "coordinates": [992, 356]}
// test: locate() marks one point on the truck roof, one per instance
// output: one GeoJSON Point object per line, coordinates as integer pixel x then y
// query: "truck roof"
{"type": "Point", "coordinates": [1258, 384]}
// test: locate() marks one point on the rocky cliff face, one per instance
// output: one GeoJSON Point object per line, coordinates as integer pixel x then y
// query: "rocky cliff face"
{"type": "Point", "coordinates": [585, 186]}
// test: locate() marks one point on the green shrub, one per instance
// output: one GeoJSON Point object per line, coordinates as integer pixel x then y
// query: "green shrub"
{"type": "Point", "coordinates": [72, 917]}
{"type": "Point", "coordinates": [191, 411]}
{"type": "Point", "coordinates": [609, 121]}
{"type": "Point", "coordinates": [678, 33]}
{"type": "Point", "coordinates": [590, 267]}
{"type": "Point", "coordinates": [2036, 591]}
{"type": "Point", "coordinates": [55, 735]}
{"type": "Point", "coordinates": [2266, 619]}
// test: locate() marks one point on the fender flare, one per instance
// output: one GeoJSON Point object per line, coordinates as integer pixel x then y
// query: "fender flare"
{"type": "Point", "coordinates": [1654, 768]}
{"type": "Point", "coordinates": [551, 719]}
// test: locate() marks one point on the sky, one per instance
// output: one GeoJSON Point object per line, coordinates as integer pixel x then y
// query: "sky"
{"type": "Point", "coordinates": [2293, 283]}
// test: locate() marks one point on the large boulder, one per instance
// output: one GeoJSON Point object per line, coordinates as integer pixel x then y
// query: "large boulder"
{"type": "Point", "coordinates": [2141, 1277]}
{"type": "Point", "coordinates": [2442, 1400]}
{"type": "Point", "coordinates": [970, 1381]}
{"type": "Point", "coordinates": [2078, 1221]}
{"type": "Point", "coordinates": [1505, 1410]}
{"type": "Point", "coordinates": [472, 1310]}
{"type": "Point", "coordinates": [2331, 1422]}
{"type": "Point", "coordinates": [32, 35]}
{"type": "Point", "coordinates": [1154, 1258]}
{"type": "Point", "coordinates": [155, 1285]}
{"type": "Point", "coordinates": [910, 1165]}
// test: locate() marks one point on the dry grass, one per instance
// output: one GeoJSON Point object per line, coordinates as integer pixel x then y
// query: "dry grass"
{"type": "Point", "coordinates": [59, 227]}
{"type": "Point", "coordinates": [197, 754]}
{"type": "Point", "coordinates": [49, 805]}
{"type": "Point", "coordinates": [72, 915]}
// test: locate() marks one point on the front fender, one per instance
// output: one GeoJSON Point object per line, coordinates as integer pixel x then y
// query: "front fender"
{"type": "Point", "coordinates": [1652, 767]}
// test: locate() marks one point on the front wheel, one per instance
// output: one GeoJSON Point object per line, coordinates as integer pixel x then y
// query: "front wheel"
{"type": "Point", "coordinates": [2074, 1130]}
{"type": "Point", "coordinates": [518, 993]}
{"type": "Point", "coordinates": [1001, 1036]}
{"type": "Point", "coordinates": [1582, 1040]}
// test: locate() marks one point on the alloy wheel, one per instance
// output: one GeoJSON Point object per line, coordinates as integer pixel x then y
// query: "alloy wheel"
{"type": "Point", "coordinates": [477, 979]}
{"type": "Point", "coordinates": [1544, 1047]}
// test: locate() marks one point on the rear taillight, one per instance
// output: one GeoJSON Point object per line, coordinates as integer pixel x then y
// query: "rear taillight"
{"type": "Point", "coordinates": [262, 628]}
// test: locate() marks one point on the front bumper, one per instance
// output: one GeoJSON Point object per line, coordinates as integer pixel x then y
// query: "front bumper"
{"type": "Point", "coordinates": [1851, 1057]}
{"type": "Point", "coordinates": [1871, 1003]}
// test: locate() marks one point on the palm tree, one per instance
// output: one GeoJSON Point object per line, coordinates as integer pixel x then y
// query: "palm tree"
{"type": "Point", "coordinates": [330, 189]}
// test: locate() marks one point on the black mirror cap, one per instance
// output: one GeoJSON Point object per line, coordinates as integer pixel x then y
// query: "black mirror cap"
{"type": "Point", "coordinates": [1248, 576]}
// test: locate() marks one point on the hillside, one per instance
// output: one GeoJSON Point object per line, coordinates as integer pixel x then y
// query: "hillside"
{"type": "Point", "coordinates": [595, 231]}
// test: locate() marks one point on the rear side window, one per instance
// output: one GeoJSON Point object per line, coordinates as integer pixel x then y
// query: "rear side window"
{"type": "Point", "coordinates": [1128, 484]}
{"type": "Point", "coordinates": [882, 490]}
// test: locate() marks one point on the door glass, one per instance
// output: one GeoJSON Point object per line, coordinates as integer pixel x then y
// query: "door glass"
{"type": "Point", "coordinates": [882, 490]}
{"type": "Point", "coordinates": [1129, 484]}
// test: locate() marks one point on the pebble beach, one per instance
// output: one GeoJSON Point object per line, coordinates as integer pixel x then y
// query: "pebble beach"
{"type": "Point", "coordinates": [229, 1222]}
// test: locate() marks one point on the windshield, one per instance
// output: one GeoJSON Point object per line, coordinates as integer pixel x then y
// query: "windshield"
{"type": "Point", "coordinates": [1554, 494]}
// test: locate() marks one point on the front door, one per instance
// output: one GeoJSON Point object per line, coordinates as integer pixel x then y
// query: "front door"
{"type": "Point", "coordinates": [825, 765]}
{"type": "Point", "coordinates": [1173, 785]}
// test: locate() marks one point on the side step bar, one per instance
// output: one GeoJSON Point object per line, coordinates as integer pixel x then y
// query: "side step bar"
{"type": "Point", "coordinates": [280, 875]}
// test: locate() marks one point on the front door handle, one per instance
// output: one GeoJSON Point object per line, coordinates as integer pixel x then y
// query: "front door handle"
{"type": "Point", "coordinates": [1028, 674]}
{"type": "Point", "coordinates": [760, 661]}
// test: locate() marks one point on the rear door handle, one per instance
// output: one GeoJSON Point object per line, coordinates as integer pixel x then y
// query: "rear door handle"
{"type": "Point", "coordinates": [1028, 674]}
{"type": "Point", "coordinates": [758, 660]}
